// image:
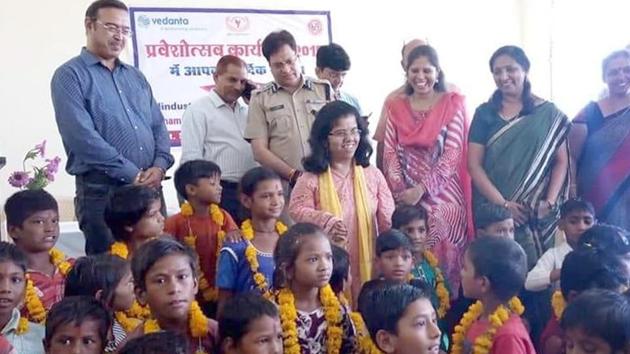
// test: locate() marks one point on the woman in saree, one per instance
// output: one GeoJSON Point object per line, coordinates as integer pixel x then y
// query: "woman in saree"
{"type": "Point", "coordinates": [340, 191]}
{"type": "Point", "coordinates": [600, 143]}
{"type": "Point", "coordinates": [424, 157]}
{"type": "Point", "coordinates": [518, 156]}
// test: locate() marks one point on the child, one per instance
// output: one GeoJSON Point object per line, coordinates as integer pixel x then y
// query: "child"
{"type": "Point", "coordinates": [133, 215]}
{"type": "Point", "coordinates": [165, 277]}
{"type": "Point", "coordinates": [598, 321]}
{"type": "Point", "coordinates": [108, 279]}
{"type": "Point", "coordinates": [248, 265]}
{"type": "Point", "coordinates": [582, 269]}
{"type": "Point", "coordinates": [393, 256]}
{"type": "Point", "coordinates": [494, 271]}
{"type": "Point", "coordinates": [494, 220]}
{"type": "Point", "coordinates": [400, 319]}
{"type": "Point", "coordinates": [576, 216]}
{"type": "Point", "coordinates": [77, 325]}
{"type": "Point", "coordinates": [24, 336]}
{"type": "Point", "coordinates": [250, 324]}
{"type": "Point", "coordinates": [33, 224]}
{"type": "Point", "coordinates": [413, 222]}
{"type": "Point", "coordinates": [165, 342]}
{"type": "Point", "coordinates": [201, 224]}
{"type": "Point", "coordinates": [312, 318]}
{"type": "Point", "coordinates": [610, 240]}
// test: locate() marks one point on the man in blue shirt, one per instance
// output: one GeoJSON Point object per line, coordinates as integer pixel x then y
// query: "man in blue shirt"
{"type": "Point", "coordinates": [111, 127]}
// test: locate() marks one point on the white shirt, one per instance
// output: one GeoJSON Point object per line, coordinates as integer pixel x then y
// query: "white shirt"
{"type": "Point", "coordinates": [538, 277]}
{"type": "Point", "coordinates": [29, 342]}
{"type": "Point", "coordinates": [212, 131]}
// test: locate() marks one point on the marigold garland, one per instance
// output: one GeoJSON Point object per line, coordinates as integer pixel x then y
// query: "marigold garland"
{"type": "Point", "coordinates": [366, 345]}
{"type": "Point", "coordinates": [252, 256]}
{"type": "Point", "coordinates": [208, 292]}
{"type": "Point", "coordinates": [34, 305]}
{"type": "Point", "coordinates": [128, 323]}
{"type": "Point", "coordinates": [483, 343]}
{"type": "Point", "coordinates": [558, 304]}
{"type": "Point", "coordinates": [198, 324]}
{"type": "Point", "coordinates": [440, 287]}
{"type": "Point", "coordinates": [332, 314]}
{"type": "Point", "coordinates": [119, 249]}
{"type": "Point", "coordinates": [22, 326]}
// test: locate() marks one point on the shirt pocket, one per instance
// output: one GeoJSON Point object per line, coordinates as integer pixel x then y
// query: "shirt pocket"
{"type": "Point", "coordinates": [314, 105]}
{"type": "Point", "coordinates": [279, 122]}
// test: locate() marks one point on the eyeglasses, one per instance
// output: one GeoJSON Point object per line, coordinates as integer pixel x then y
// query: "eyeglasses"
{"type": "Point", "coordinates": [114, 29]}
{"type": "Point", "coordinates": [346, 133]}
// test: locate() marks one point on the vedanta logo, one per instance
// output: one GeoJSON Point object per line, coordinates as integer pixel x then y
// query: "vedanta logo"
{"type": "Point", "coordinates": [145, 21]}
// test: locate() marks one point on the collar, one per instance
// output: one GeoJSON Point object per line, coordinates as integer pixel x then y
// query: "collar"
{"type": "Point", "coordinates": [12, 325]}
{"type": "Point", "coordinates": [305, 82]}
{"type": "Point", "coordinates": [90, 59]}
{"type": "Point", "coordinates": [217, 101]}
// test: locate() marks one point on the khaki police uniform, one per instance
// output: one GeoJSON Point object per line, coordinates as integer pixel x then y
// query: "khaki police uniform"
{"type": "Point", "coordinates": [285, 118]}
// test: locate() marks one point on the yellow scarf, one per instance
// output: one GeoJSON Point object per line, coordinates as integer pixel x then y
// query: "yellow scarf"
{"type": "Point", "coordinates": [329, 200]}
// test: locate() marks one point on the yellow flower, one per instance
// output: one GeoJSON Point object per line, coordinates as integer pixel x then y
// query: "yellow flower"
{"type": "Point", "coordinates": [127, 323]}
{"type": "Point", "coordinates": [58, 259]}
{"type": "Point", "coordinates": [119, 249]}
{"type": "Point", "coordinates": [22, 326]}
{"type": "Point", "coordinates": [34, 305]}
{"type": "Point", "coordinates": [137, 311]}
{"type": "Point", "coordinates": [483, 343]}
{"type": "Point", "coordinates": [366, 345]}
{"type": "Point", "coordinates": [288, 316]}
{"type": "Point", "coordinates": [558, 304]}
{"type": "Point", "coordinates": [440, 288]}
{"type": "Point", "coordinates": [198, 323]}
{"type": "Point", "coordinates": [186, 209]}
{"type": "Point", "coordinates": [252, 257]}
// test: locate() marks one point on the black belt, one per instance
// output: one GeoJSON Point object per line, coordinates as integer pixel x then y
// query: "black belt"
{"type": "Point", "coordinates": [229, 184]}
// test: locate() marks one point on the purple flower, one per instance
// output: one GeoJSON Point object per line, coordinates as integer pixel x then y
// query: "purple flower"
{"type": "Point", "coordinates": [53, 165]}
{"type": "Point", "coordinates": [50, 176]}
{"type": "Point", "coordinates": [19, 179]}
{"type": "Point", "coordinates": [41, 148]}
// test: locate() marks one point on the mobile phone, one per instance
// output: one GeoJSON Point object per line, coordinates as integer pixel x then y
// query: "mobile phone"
{"type": "Point", "coordinates": [247, 92]}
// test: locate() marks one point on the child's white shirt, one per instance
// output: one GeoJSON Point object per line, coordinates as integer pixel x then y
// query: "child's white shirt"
{"type": "Point", "coordinates": [538, 277]}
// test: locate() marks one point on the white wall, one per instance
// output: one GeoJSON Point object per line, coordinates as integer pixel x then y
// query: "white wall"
{"type": "Point", "coordinates": [40, 35]}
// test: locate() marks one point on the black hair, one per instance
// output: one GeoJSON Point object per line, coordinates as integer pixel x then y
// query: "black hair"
{"type": "Point", "coordinates": [624, 53]}
{"type": "Point", "coordinates": [92, 273]}
{"type": "Point", "coordinates": [288, 248]}
{"type": "Point", "coordinates": [191, 171]}
{"type": "Point", "coordinates": [21, 205]}
{"type": "Point", "coordinates": [163, 342]}
{"type": "Point", "coordinates": [126, 206]}
{"type": "Point", "coordinates": [92, 10]}
{"type": "Point", "coordinates": [384, 304]}
{"type": "Point", "coordinates": [392, 240]}
{"type": "Point", "coordinates": [367, 287]}
{"type": "Point", "coordinates": [516, 53]}
{"type": "Point", "coordinates": [154, 250]}
{"type": "Point", "coordinates": [588, 268]}
{"type": "Point", "coordinates": [490, 213]}
{"type": "Point", "coordinates": [404, 214]}
{"type": "Point", "coordinates": [341, 268]}
{"type": "Point", "coordinates": [275, 40]}
{"type": "Point", "coordinates": [506, 272]}
{"type": "Point", "coordinates": [240, 311]}
{"type": "Point", "coordinates": [332, 56]}
{"type": "Point", "coordinates": [75, 310]}
{"type": "Point", "coordinates": [600, 313]}
{"type": "Point", "coordinates": [431, 54]}
{"type": "Point", "coordinates": [252, 178]}
{"type": "Point", "coordinates": [10, 253]}
{"type": "Point", "coordinates": [319, 159]}
{"type": "Point", "coordinates": [576, 204]}
{"type": "Point", "coordinates": [606, 238]}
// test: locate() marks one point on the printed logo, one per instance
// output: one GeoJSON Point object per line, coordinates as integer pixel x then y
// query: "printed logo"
{"type": "Point", "coordinates": [144, 21]}
{"type": "Point", "coordinates": [315, 26]}
{"type": "Point", "coordinates": [237, 23]}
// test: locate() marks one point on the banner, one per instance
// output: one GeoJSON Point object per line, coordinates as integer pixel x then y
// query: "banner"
{"type": "Point", "coordinates": [177, 49]}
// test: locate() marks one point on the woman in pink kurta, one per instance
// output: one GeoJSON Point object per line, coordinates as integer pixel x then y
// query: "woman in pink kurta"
{"type": "Point", "coordinates": [340, 154]}
{"type": "Point", "coordinates": [424, 157]}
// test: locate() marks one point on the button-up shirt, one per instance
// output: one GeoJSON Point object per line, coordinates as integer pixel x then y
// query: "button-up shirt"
{"type": "Point", "coordinates": [29, 342]}
{"type": "Point", "coordinates": [108, 119]}
{"type": "Point", "coordinates": [284, 119]}
{"type": "Point", "coordinates": [213, 131]}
